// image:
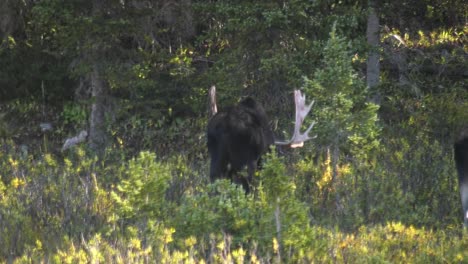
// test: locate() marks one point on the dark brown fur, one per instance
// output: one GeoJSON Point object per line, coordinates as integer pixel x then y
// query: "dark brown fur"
{"type": "Point", "coordinates": [461, 161]}
{"type": "Point", "coordinates": [237, 137]}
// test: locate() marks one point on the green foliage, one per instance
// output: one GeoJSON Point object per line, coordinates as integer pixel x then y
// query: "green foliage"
{"type": "Point", "coordinates": [396, 242]}
{"type": "Point", "coordinates": [345, 119]}
{"type": "Point", "coordinates": [141, 192]}
{"type": "Point", "coordinates": [347, 133]}
{"type": "Point", "coordinates": [223, 208]}
{"type": "Point", "coordinates": [273, 212]}
{"type": "Point", "coordinates": [277, 193]}
{"type": "Point", "coordinates": [359, 193]}
{"type": "Point", "coordinates": [74, 114]}
{"type": "Point", "coordinates": [43, 198]}
{"type": "Point", "coordinates": [133, 220]}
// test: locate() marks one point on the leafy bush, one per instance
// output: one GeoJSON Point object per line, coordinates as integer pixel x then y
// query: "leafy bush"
{"type": "Point", "coordinates": [141, 192]}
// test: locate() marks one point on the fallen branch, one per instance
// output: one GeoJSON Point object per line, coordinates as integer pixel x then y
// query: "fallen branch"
{"type": "Point", "coordinates": [70, 142]}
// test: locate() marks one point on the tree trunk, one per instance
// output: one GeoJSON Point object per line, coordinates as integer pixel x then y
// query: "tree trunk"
{"type": "Point", "coordinates": [97, 127]}
{"type": "Point", "coordinates": [373, 39]}
{"type": "Point", "coordinates": [334, 158]}
{"type": "Point", "coordinates": [99, 91]}
{"type": "Point", "coordinates": [8, 20]}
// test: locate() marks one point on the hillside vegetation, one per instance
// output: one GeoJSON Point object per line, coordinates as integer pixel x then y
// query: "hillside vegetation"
{"type": "Point", "coordinates": [377, 185]}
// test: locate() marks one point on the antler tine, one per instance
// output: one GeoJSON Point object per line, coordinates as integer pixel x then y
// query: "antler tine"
{"type": "Point", "coordinates": [310, 128]}
{"type": "Point", "coordinates": [301, 109]}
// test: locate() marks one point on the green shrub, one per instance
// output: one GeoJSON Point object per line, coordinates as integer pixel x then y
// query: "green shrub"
{"type": "Point", "coordinates": [140, 195]}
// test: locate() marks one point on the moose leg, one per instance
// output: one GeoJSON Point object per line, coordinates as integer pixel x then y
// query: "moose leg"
{"type": "Point", "coordinates": [245, 181]}
{"type": "Point", "coordinates": [464, 199]}
{"type": "Point", "coordinates": [218, 166]}
{"type": "Point", "coordinates": [251, 169]}
{"type": "Point", "coordinates": [461, 161]}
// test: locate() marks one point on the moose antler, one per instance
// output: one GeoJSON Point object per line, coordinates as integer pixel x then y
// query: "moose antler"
{"type": "Point", "coordinates": [298, 138]}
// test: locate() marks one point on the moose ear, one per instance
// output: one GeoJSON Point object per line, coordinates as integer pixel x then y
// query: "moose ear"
{"type": "Point", "coordinates": [212, 96]}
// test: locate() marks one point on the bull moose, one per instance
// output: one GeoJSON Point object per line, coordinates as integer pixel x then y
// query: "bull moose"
{"type": "Point", "coordinates": [239, 135]}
